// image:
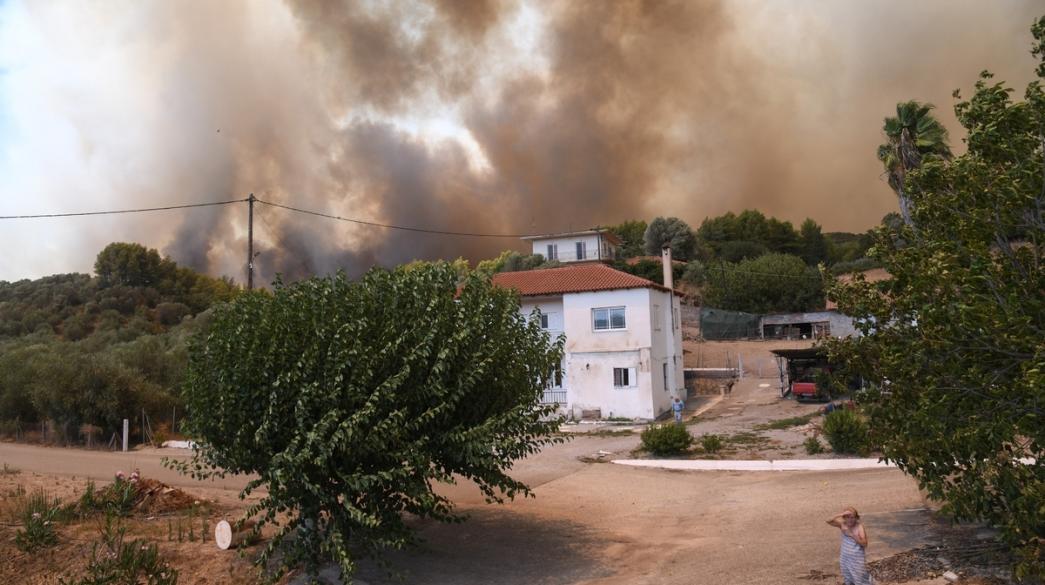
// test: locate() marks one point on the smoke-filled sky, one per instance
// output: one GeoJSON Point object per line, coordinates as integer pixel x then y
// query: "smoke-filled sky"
{"type": "Point", "coordinates": [505, 116]}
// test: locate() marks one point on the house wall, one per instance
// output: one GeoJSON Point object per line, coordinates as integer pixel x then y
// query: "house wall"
{"type": "Point", "coordinates": [591, 384]}
{"type": "Point", "coordinates": [665, 349]}
{"type": "Point", "coordinates": [590, 356]}
{"type": "Point", "coordinates": [568, 248]}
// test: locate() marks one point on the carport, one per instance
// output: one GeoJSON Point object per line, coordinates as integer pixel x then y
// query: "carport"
{"type": "Point", "coordinates": [799, 365]}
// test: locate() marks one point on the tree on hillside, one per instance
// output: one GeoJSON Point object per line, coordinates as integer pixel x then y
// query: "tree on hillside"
{"type": "Point", "coordinates": [131, 264]}
{"type": "Point", "coordinates": [913, 137]}
{"type": "Point", "coordinates": [751, 227]}
{"type": "Point", "coordinates": [767, 284]}
{"type": "Point", "coordinates": [633, 237]}
{"type": "Point", "coordinates": [674, 231]}
{"type": "Point", "coordinates": [813, 243]}
{"type": "Point", "coordinates": [955, 335]}
{"type": "Point", "coordinates": [351, 400]}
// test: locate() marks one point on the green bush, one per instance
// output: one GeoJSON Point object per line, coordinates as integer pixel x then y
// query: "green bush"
{"type": "Point", "coordinates": [711, 443]}
{"type": "Point", "coordinates": [667, 439]}
{"type": "Point", "coordinates": [813, 446]}
{"type": "Point", "coordinates": [38, 513]}
{"type": "Point", "coordinates": [846, 431]}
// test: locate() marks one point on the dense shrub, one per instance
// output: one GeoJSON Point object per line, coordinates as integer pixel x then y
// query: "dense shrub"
{"type": "Point", "coordinates": [813, 446]}
{"type": "Point", "coordinates": [767, 284]}
{"type": "Point", "coordinates": [711, 443]}
{"type": "Point", "coordinates": [846, 431]}
{"type": "Point", "coordinates": [38, 513]}
{"type": "Point", "coordinates": [666, 439]}
{"type": "Point", "coordinates": [351, 400]}
{"type": "Point", "coordinates": [650, 269]}
{"type": "Point", "coordinates": [694, 273]}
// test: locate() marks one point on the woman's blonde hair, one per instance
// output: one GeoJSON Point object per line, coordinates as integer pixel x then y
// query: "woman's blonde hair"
{"type": "Point", "coordinates": [853, 510]}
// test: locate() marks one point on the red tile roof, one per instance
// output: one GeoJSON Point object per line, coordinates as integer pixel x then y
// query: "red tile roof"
{"type": "Point", "coordinates": [575, 278]}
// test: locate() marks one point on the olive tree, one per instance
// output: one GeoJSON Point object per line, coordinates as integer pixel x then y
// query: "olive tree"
{"type": "Point", "coordinates": [673, 231]}
{"type": "Point", "coordinates": [351, 400]}
{"type": "Point", "coordinates": [953, 341]}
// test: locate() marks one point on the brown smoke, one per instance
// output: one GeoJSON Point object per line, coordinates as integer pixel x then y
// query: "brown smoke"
{"type": "Point", "coordinates": [627, 109]}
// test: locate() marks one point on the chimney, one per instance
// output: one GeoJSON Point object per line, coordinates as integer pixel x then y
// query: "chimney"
{"type": "Point", "coordinates": [665, 257]}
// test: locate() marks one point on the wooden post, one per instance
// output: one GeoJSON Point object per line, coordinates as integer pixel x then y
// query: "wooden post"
{"type": "Point", "coordinates": [126, 432]}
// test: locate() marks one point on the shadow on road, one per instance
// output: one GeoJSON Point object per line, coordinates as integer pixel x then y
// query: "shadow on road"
{"type": "Point", "coordinates": [900, 530]}
{"type": "Point", "coordinates": [495, 546]}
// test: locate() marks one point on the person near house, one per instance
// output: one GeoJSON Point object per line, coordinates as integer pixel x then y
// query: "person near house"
{"type": "Point", "coordinates": [678, 406]}
{"type": "Point", "coordinates": [851, 557]}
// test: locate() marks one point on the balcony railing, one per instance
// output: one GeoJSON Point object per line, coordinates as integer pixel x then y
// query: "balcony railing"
{"type": "Point", "coordinates": [554, 396]}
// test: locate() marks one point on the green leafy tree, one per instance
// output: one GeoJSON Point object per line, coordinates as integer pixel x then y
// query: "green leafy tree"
{"type": "Point", "coordinates": [652, 270]}
{"type": "Point", "coordinates": [131, 265]}
{"type": "Point", "coordinates": [737, 250]}
{"type": "Point", "coordinates": [512, 261]}
{"type": "Point", "coordinates": [913, 137]}
{"type": "Point", "coordinates": [955, 337]}
{"type": "Point", "coordinates": [349, 400]}
{"type": "Point", "coordinates": [674, 231]}
{"type": "Point", "coordinates": [726, 232]}
{"type": "Point", "coordinates": [633, 237]}
{"type": "Point", "coordinates": [767, 284]}
{"type": "Point", "coordinates": [813, 243]}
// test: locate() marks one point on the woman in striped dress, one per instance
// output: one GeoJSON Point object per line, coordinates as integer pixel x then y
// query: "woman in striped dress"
{"type": "Point", "coordinates": [854, 541]}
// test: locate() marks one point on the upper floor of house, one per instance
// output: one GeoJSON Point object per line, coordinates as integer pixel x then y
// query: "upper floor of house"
{"type": "Point", "coordinates": [593, 244]}
{"type": "Point", "coordinates": [600, 309]}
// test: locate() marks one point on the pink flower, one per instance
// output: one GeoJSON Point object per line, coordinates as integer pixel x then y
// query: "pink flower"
{"type": "Point", "coordinates": [36, 515]}
{"type": "Point", "coordinates": [119, 476]}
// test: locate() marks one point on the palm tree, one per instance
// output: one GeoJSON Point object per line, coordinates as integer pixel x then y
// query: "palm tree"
{"type": "Point", "coordinates": [914, 136]}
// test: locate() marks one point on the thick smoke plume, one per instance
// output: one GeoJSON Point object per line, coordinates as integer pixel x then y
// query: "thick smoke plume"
{"type": "Point", "coordinates": [507, 116]}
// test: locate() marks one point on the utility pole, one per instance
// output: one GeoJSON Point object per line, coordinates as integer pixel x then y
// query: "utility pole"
{"type": "Point", "coordinates": [250, 242]}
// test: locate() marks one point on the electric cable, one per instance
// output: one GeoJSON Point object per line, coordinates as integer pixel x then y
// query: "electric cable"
{"type": "Point", "coordinates": [120, 211]}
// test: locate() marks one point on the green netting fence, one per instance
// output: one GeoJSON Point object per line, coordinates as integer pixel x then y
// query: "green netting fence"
{"type": "Point", "coordinates": [722, 324]}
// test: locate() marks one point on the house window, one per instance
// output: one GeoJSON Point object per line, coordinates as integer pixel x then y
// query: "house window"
{"type": "Point", "coordinates": [553, 252]}
{"type": "Point", "coordinates": [555, 379]}
{"type": "Point", "coordinates": [580, 251]}
{"type": "Point", "coordinates": [666, 386]}
{"type": "Point", "coordinates": [656, 317]}
{"type": "Point", "coordinates": [608, 318]}
{"type": "Point", "coordinates": [544, 320]}
{"type": "Point", "coordinates": [623, 377]}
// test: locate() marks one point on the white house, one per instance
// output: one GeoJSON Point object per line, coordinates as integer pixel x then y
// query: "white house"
{"type": "Point", "coordinates": [623, 352]}
{"type": "Point", "coordinates": [593, 244]}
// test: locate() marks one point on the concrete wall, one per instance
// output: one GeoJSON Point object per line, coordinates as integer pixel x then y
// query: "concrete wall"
{"type": "Point", "coordinates": [841, 325]}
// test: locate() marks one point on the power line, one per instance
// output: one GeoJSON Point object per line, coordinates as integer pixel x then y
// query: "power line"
{"type": "Point", "coordinates": [391, 226]}
{"type": "Point", "coordinates": [119, 211]}
{"type": "Point", "coordinates": [338, 218]}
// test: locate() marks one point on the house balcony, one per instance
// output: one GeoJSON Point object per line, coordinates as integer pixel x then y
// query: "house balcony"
{"type": "Point", "coordinates": [554, 396]}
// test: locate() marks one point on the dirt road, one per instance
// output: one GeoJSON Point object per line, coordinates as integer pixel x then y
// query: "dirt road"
{"type": "Point", "coordinates": [610, 525]}
{"type": "Point", "coordinates": [604, 524]}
